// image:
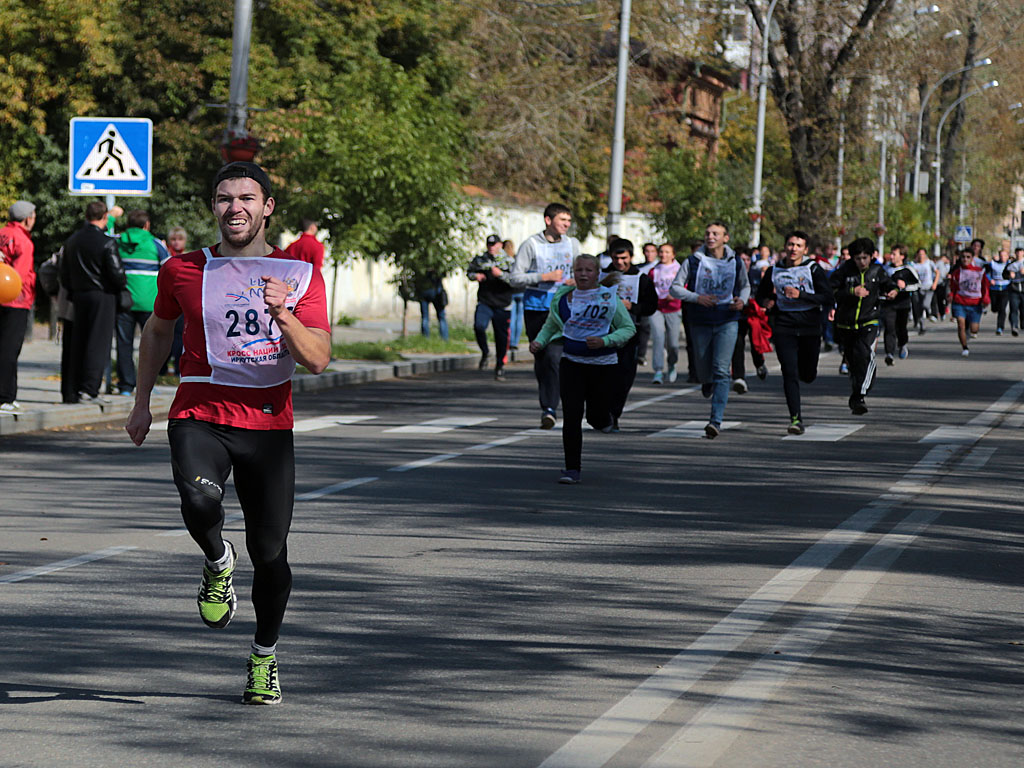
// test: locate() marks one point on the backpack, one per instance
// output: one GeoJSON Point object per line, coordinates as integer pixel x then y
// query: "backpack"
{"type": "Point", "coordinates": [48, 274]}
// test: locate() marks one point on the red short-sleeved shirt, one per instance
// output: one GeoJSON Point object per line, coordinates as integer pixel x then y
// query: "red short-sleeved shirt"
{"type": "Point", "coordinates": [309, 249]}
{"type": "Point", "coordinates": [180, 291]}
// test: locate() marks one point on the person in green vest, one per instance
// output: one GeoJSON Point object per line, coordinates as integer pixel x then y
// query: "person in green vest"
{"type": "Point", "coordinates": [142, 255]}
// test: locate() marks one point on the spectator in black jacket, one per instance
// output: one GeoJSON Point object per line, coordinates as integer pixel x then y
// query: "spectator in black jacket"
{"type": "Point", "coordinates": [858, 285]}
{"type": "Point", "coordinates": [641, 302]}
{"type": "Point", "coordinates": [92, 274]}
{"type": "Point", "coordinates": [493, 302]}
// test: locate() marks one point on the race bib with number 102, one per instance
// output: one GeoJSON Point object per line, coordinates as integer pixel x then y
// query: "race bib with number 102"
{"type": "Point", "coordinates": [243, 345]}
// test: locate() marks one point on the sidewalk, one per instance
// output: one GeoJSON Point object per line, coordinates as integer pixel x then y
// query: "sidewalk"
{"type": "Point", "coordinates": [39, 381]}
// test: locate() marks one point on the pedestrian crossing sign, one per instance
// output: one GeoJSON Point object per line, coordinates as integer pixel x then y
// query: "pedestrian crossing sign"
{"type": "Point", "coordinates": [110, 156]}
{"type": "Point", "coordinates": [964, 233]}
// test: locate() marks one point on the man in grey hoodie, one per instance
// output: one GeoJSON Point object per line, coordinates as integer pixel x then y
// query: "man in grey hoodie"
{"type": "Point", "coordinates": [542, 265]}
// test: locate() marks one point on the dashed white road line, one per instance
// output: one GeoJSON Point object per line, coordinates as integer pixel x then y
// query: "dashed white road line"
{"type": "Point", "coordinates": [424, 462]}
{"type": "Point", "coordinates": [602, 739]}
{"type": "Point", "coordinates": [42, 570]}
{"type": "Point", "coordinates": [344, 485]}
{"type": "Point", "coordinates": [446, 424]}
{"type": "Point", "coordinates": [704, 740]}
{"type": "Point", "coordinates": [326, 422]}
{"type": "Point", "coordinates": [826, 433]}
{"type": "Point", "coordinates": [691, 429]}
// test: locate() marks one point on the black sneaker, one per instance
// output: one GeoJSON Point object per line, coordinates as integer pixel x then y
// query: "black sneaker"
{"type": "Point", "coordinates": [859, 407]}
{"type": "Point", "coordinates": [484, 362]}
{"type": "Point", "coordinates": [762, 372]}
{"type": "Point", "coordinates": [548, 420]}
{"type": "Point", "coordinates": [796, 426]}
{"type": "Point", "coordinates": [707, 389]}
{"type": "Point", "coordinates": [712, 430]}
{"type": "Point", "coordinates": [499, 374]}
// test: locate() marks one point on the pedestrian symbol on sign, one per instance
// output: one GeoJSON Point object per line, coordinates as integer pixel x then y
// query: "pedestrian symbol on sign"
{"type": "Point", "coordinates": [110, 159]}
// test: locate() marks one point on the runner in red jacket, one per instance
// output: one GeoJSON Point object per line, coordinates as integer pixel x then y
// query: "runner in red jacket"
{"type": "Point", "coordinates": [968, 288]}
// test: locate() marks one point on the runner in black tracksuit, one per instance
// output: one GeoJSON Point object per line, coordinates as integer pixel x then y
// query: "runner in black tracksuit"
{"type": "Point", "coordinates": [621, 253]}
{"type": "Point", "coordinates": [796, 292]}
{"type": "Point", "coordinates": [857, 285]}
{"type": "Point", "coordinates": [896, 312]}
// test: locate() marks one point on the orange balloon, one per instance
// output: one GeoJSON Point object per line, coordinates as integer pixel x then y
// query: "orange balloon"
{"type": "Point", "coordinates": [10, 283]}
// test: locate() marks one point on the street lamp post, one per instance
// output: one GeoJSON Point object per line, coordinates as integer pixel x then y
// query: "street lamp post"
{"type": "Point", "coordinates": [762, 101]}
{"type": "Point", "coordinates": [938, 157]}
{"type": "Point", "coordinates": [920, 118]}
{"type": "Point", "coordinates": [618, 134]}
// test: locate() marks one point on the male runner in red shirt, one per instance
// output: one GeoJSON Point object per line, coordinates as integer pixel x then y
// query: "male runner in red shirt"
{"type": "Point", "coordinates": [251, 313]}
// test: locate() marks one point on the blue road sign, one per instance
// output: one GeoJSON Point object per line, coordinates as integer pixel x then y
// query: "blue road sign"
{"type": "Point", "coordinates": [110, 156]}
{"type": "Point", "coordinates": [964, 233]}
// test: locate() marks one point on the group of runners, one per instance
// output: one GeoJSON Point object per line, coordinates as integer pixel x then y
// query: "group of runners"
{"type": "Point", "coordinates": [252, 312]}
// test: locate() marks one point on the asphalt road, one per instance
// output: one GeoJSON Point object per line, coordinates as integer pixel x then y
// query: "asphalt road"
{"type": "Point", "coordinates": [850, 598]}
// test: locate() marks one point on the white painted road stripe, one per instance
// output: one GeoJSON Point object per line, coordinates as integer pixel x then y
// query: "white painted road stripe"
{"type": "Point", "coordinates": [425, 462]}
{"type": "Point", "coordinates": [978, 458]}
{"type": "Point", "coordinates": [326, 422]}
{"type": "Point", "coordinates": [344, 485]}
{"type": "Point", "coordinates": [659, 398]}
{"type": "Point", "coordinates": [436, 426]}
{"type": "Point", "coordinates": [497, 443]}
{"type": "Point", "coordinates": [707, 736]}
{"type": "Point", "coordinates": [600, 741]}
{"type": "Point", "coordinates": [691, 429]}
{"type": "Point", "coordinates": [826, 433]}
{"type": "Point", "coordinates": [42, 570]}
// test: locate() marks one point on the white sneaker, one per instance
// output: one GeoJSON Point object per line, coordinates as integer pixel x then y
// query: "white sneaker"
{"type": "Point", "coordinates": [672, 375]}
{"type": "Point", "coordinates": [739, 386]}
{"type": "Point", "coordinates": [965, 353]}
{"type": "Point", "coordinates": [10, 407]}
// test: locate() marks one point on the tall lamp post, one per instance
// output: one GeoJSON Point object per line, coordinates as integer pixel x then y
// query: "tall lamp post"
{"type": "Point", "coordinates": [920, 118]}
{"type": "Point", "coordinates": [762, 99]}
{"type": "Point", "coordinates": [938, 157]}
{"type": "Point", "coordinates": [618, 135]}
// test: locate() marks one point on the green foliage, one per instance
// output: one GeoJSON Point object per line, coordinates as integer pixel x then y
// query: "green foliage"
{"type": "Point", "coordinates": [905, 222]}
{"type": "Point", "coordinates": [389, 351]}
{"type": "Point", "coordinates": [691, 195]}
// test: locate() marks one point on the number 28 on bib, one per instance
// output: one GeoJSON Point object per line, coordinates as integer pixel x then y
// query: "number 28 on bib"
{"type": "Point", "coordinates": [243, 344]}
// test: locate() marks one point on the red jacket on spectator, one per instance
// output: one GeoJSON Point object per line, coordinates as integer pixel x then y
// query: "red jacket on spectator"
{"type": "Point", "coordinates": [18, 250]}
{"type": "Point", "coordinates": [309, 249]}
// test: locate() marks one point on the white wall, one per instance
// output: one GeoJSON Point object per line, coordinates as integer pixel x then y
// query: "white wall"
{"type": "Point", "coordinates": [363, 288]}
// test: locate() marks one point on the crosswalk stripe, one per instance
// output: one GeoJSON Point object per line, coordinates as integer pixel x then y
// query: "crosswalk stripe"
{"type": "Point", "coordinates": [692, 429]}
{"type": "Point", "coordinates": [436, 426]}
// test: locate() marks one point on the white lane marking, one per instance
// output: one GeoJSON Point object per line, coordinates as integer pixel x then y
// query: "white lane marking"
{"type": "Point", "coordinates": [600, 741]}
{"type": "Point", "coordinates": [710, 733]}
{"type": "Point", "coordinates": [497, 443]}
{"type": "Point", "coordinates": [326, 422]}
{"type": "Point", "coordinates": [328, 490]}
{"type": "Point", "coordinates": [436, 426]}
{"type": "Point", "coordinates": [659, 398]}
{"type": "Point", "coordinates": [964, 435]}
{"type": "Point", "coordinates": [42, 570]}
{"type": "Point", "coordinates": [1016, 421]}
{"type": "Point", "coordinates": [978, 458]}
{"type": "Point", "coordinates": [539, 431]}
{"type": "Point", "coordinates": [979, 426]}
{"type": "Point", "coordinates": [158, 426]}
{"type": "Point", "coordinates": [425, 462]}
{"type": "Point", "coordinates": [691, 429]}
{"type": "Point", "coordinates": [826, 433]}
{"type": "Point", "coordinates": [234, 516]}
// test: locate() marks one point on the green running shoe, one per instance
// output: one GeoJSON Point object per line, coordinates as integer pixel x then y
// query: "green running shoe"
{"type": "Point", "coordinates": [262, 685]}
{"type": "Point", "coordinates": [216, 599]}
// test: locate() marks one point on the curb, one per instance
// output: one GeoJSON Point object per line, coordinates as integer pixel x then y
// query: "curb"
{"type": "Point", "coordinates": [353, 373]}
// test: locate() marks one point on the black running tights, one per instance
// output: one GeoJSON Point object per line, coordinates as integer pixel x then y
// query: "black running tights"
{"type": "Point", "coordinates": [202, 457]}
